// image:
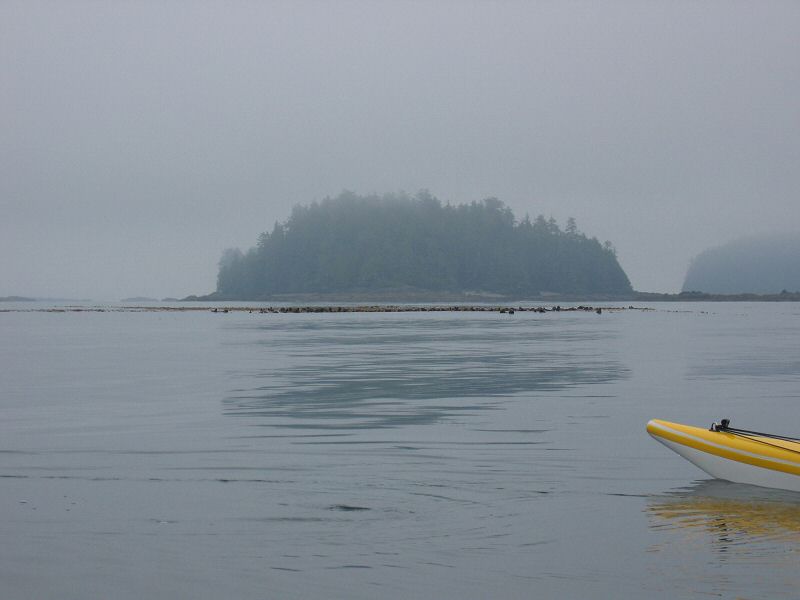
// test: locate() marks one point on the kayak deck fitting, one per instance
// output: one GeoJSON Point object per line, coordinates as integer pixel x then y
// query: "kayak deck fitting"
{"type": "Point", "coordinates": [736, 455]}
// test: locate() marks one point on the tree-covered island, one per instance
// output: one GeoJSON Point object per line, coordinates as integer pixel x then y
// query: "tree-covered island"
{"type": "Point", "coordinates": [355, 244]}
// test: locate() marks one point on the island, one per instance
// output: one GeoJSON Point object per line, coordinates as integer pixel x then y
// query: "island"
{"type": "Point", "coordinates": [399, 246]}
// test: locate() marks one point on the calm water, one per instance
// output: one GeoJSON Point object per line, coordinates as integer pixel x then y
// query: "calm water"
{"type": "Point", "coordinates": [440, 455]}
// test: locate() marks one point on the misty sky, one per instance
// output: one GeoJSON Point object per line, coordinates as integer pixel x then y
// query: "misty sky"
{"type": "Point", "coordinates": [140, 139]}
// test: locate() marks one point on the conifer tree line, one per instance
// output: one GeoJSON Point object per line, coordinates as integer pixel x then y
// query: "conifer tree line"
{"type": "Point", "coordinates": [355, 243]}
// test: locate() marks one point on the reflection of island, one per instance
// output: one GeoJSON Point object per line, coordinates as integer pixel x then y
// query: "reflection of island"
{"type": "Point", "coordinates": [732, 514]}
{"type": "Point", "coordinates": [347, 374]}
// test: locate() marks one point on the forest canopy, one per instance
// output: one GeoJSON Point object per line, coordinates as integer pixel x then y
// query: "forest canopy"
{"type": "Point", "coordinates": [394, 242]}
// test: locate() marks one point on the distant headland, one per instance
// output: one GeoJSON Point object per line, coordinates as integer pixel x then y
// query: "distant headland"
{"type": "Point", "coordinates": [784, 296]}
{"type": "Point", "coordinates": [764, 265]}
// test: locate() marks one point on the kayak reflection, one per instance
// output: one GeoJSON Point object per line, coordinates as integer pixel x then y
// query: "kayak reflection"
{"type": "Point", "coordinates": [732, 514]}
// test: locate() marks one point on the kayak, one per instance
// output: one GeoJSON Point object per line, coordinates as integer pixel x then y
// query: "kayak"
{"type": "Point", "coordinates": [735, 455]}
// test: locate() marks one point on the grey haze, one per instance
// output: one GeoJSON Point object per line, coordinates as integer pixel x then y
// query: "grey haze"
{"type": "Point", "coordinates": [140, 139]}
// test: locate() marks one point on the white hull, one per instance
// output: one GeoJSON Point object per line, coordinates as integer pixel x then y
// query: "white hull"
{"type": "Point", "coordinates": [738, 472]}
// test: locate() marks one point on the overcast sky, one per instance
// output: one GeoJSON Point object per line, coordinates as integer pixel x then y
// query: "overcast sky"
{"type": "Point", "coordinates": [139, 139]}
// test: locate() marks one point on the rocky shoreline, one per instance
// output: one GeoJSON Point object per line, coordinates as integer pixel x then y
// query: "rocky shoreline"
{"type": "Point", "coordinates": [371, 308]}
{"type": "Point", "coordinates": [382, 308]}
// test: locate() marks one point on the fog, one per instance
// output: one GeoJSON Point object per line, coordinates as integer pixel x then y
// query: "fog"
{"type": "Point", "coordinates": [140, 139]}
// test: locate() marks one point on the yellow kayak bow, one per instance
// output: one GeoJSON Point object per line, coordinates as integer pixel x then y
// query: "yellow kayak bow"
{"type": "Point", "coordinates": [733, 454]}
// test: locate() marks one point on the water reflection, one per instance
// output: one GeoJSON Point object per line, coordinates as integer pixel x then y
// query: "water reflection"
{"type": "Point", "coordinates": [392, 372]}
{"type": "Point", "coordinates": [736, 519]}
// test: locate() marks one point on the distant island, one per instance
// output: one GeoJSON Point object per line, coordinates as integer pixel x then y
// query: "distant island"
{"type": "Point", "coordinates": [753, 265]}
{"type": "Point", "coordinates": [16, 299]}
{"type": "Point", "coordinates": [401, 246]}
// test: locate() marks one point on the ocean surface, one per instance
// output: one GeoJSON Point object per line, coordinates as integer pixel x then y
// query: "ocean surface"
{"type": "Point", "coordinates": [191, 454]}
